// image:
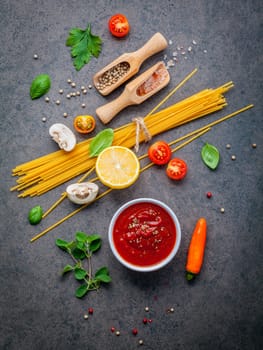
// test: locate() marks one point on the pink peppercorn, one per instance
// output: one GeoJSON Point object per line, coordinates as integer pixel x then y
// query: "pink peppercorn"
{"type": "Point", "coordinates": [209, 194]}
{"type": "Point", "coordinates": [145, 320]}
{"type": "Point", "coordinates": [135, 331]}
{"type": "Point", "coordinates": [90, 310]}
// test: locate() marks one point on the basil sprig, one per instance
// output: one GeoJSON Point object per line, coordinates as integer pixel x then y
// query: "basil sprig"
{"type": "Point", "coordinates": [81, 250]}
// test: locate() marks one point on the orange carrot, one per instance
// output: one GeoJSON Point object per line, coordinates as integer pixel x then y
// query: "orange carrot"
{"type": "Point", "coordinates": [196, 250]}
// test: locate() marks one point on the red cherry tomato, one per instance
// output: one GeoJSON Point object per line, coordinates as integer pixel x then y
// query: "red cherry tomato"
{"type": "Point", "coordinates": [119, 25]}
{"type": "Point", "coordinates": [160, 152]}
{"type": "Point", "coordinates": [176, 169]}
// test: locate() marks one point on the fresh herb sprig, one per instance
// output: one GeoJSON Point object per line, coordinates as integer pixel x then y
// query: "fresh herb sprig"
{"type": "Point", "coordinates": [83, 45]}
{"type": "Point", "coordinates": [81, 248]}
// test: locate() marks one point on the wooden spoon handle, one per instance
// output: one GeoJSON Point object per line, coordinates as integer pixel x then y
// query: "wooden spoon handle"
{"type": "Point", "coordinates": [108, 111]}
{"type": "Point", "coordinates": [156, 44]}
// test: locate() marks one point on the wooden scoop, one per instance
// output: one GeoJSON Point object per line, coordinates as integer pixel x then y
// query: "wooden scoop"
{"type": "Point", "coordinates": [127, 65]}
{"type": "Point", "coordinates": [136, 92]}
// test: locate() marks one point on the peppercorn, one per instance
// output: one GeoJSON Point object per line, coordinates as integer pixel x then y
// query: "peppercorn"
{"type": "Point", "coordinates": [113, 75]}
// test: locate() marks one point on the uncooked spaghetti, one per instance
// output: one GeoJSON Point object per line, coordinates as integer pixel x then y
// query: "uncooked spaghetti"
{"type": "Point", "coordinates": [38, 176]}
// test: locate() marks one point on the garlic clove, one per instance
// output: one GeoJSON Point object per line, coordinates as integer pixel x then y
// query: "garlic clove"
{"type": "Point", "coordinates": [63, 136]}
{"type": "Point", "coordinates": [82, 193]}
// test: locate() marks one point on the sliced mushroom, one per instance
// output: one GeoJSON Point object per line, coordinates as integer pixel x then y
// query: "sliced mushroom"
{"type": "Point", "coordinates": [82, 193]}
{"type": "Point", "coordinates": [63, 136]}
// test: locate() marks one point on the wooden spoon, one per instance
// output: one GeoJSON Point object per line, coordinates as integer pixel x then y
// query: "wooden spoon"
{"type": "Point", "coordinates": [129, 63]}
{"type": "Point", "coordinates": [136, 92]}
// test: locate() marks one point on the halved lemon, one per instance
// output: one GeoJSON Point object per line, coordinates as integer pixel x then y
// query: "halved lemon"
{"type": "Point", "coordinates": [117, 167]}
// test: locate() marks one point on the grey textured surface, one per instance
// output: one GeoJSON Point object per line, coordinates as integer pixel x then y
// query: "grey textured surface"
{"type": "Point", "coordinates": [222, 309]}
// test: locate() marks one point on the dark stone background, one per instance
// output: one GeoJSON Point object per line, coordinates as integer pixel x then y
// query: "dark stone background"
{"type": "Point", "coordinates": [222, 309]}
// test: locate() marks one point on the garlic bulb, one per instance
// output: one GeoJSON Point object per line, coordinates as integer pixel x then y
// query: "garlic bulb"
{"type": "Point", "coordinates": [63, 136]}
{"type": "Point", "coordinates": [82, 193]}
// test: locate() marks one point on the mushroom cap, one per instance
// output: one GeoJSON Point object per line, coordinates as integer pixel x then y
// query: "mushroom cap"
{"type": "Point", "coordinates": [82, 193]}
{"type": "Point", "coordinates": [63, 136]}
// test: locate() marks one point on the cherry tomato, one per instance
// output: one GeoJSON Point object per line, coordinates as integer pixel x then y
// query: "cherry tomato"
{"type": "Point", "coordinates": [84, 124]}
{"type": "Point", "coordinates": [176, 169]}
{"type": "Point", "coordinates": [160, 152]}
{"type": "Point", "coordinates": [119, 25]}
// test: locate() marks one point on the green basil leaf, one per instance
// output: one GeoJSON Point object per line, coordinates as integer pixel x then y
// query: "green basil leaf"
{"type": "Point", "coordinates": [103, 270]}
{"type": "Point", "coordinates": [67, 268]}
{"type": "Point", "coordinates": [101, 141]}
{"type": "Point", "coordinates": [78, 254]}
{"type": "Point", "coordinates": [81, 236]}
{"type": "Point", "coordinates": [71, 245]}
{"type": "Point", "coordinates": [80, 273]}
{"type": "Point", "coordinates": [95, 245]}
{"type": "Point", "coordinates": [62, 244]}
{"type": "Point", "coordinates": [40, 86]}
{"type": "Point", "coordinates": [210, 156]}
{"type": "Point", "coordinates": [102, 275]}
{"type": "Point", "coordinates": [81, 291]}
{"type": "Point", "coordinates": [93, 237]}
{"type": "Point", "coordinates": [35, 215]}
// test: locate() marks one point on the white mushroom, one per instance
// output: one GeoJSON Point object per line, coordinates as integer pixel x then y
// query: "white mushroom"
{"type": "Point", "coordinates": [63, 136]}
{"type": "Point", "coordinates": [82, 193]}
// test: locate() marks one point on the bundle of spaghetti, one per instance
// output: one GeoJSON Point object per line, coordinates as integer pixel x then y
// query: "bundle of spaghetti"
{"type": "Point", "coordinates": [47, 172]}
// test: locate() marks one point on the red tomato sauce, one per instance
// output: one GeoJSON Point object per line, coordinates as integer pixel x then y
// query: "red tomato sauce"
{"type": "Point", "coordinates": [144, 234]}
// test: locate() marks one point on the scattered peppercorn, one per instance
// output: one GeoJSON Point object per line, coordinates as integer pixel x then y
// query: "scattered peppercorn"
{"type": "Point", "coordinates": [91, 311]}
{"type": "Point", "coordinates": [86, 316]}
{"type": "Point", "coordinates": [140, 342]}
{"type": "Point", "coordinates": [112, 329]}
{"type": "Point", "coordinates": [61, 91]}
{"type": "Point", "coordinates": [254, 145]}
{"type": "Point", "coordinates": [73, 85]}
{"type": "Point", "coordinates": [145, 320]}
{"type": "Point", "coordinates": [228, 146]}
{"type": "Point", "coordinates": [117, 333]}
{"type": "Point", "coordinates": [209, 194]}
{"type": "Point", "coordinates": [35, 56]}
{"type": "Point", "coordinates": [146, 308]}
{"type": "Point", "coordinates": [135, 331]}
{"type": "Point", "coordinates": [57, 102]}
{"type": "Point", "coordinates": [222, 210]}
{"type": "Point", "coordinates": [47, 99]}
{"type": "Point", "coordinates": [233, 157]}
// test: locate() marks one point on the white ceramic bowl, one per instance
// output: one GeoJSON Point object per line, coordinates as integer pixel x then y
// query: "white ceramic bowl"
{"type": "Point", "coordinates": [164, 261]}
